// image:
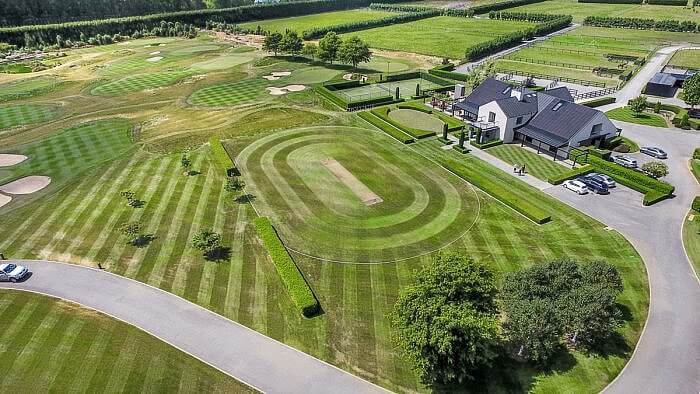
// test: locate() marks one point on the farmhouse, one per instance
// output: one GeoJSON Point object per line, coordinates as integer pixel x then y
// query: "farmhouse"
{"type": "Point", "coordinates": [548, 120]}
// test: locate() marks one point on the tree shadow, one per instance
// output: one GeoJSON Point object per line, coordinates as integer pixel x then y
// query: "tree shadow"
{"type": "Point", "coordinates": [222, 253]}
{"type": "Point", "coordinates": [193, 172]}
{"type": "Point", "coordinates": [245, 199]}
{"type": "Point", "coordinates": [137, 203]}
{"type": "Point", "coordinates": [143, 240]}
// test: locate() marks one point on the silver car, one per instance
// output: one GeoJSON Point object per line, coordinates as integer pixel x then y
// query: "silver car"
{"type": "Point", "coordinates": [654, 152]}
{"type": "Point", "coordinates": [12, 272]}
{"type": "Point", "coordinates": [625, 161]}
{"type": "Point", "coordinates": [608, 181]}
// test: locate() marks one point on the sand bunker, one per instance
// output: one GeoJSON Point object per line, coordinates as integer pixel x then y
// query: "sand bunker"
{"type": "Point", "coordinates": [7, 159]}
{"type": "Point", "coordinates": [154, 59]}
{"type": "Point", "coordinates": [361, 191]}
{"type": "Point", "coordinates": [347, 77]}
{"type": "Point", "coordinates": [154, 53]}
{"type": "Point", "coordinates": [286, 89]}
{"type": "Point", "coordinates": [26, 185]}
{"type": "Point", "coordinates": [4, 200]}
{"type": "Point", "coordinates": [277, 75]}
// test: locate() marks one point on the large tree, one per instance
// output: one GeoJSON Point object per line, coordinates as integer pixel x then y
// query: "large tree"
{"type": "Point", "coordinates": [354, 51]}
{"type": "Point", "coordinates": [291, 43]}
{"type": "Point", "coordinates": [691, 90]}
{"type": "Point", "coordinates": [637, 105]}
{"type": "Point", "coordinates": [446, 320]}
{"type": "Point", "coordinates": [272, 42]}
{"type": "Point", "coordinates": [328, 47]}
{"type": "Point", "coordinates": [532, 327]}
{"type": "Point", "coordinates": [310, 50]}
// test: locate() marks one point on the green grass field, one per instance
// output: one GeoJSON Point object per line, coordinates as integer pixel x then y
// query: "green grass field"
{"type": "Point", "coordinates": [541, 166]}
{"type": "Point", "coordinates": [222, 62]}
{"type": "Point", "coordinates": [417, 119]}
{"type": "Point", "coordinates": [652, 37]}
{"type": "Point", "coordinates": [27, 88]}
{"type": "Point", "coordinates": [139, 82]}
{"type": "Point", "coordinates": [441, 36]}
{"type": "Point", "coordinates": [307, 22]}
{"type": "Point", "coordinates": [229, 93]}
{"type": "Point", "coordinates": [51, 345]}
{"type": "Point", "coordinates": [686, 58]}
{"type": "Point", "coordinates": [581, 10]}
{"type": "Point", "coordinates": [626, 115]}
{"type": "Point", "coordinates": [691, 238]}
{"type": "Point", "coordinates": [24, 114]}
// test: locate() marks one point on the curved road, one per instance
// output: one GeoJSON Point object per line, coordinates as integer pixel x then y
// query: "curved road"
{"type": "Point", "coordinates": [247, 355]}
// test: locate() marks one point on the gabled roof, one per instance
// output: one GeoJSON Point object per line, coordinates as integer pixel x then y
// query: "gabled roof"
{"type": "Point", "coordinates": [512, 107]}
{"type": "Point", "coordinates": [561, 92]}
{"type": "Point", "coordinates": [489, 90]}
{"type": "Point", "coordinates": [562, 119]}
{"type": "Point", "coordinates": [663, 79]}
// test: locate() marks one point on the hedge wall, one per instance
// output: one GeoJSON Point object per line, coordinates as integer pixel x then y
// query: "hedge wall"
{"type": "Point", "coordinates": [221, 157]}
{"type": "Point", "coordinates": [680, 113]}
{"type": "Point", "coordinates": [642, 24]}
{"type": "Point", "coordinates": [386, 127]}
{"type": "Point", "coordinates": [486, 145]}
{"type": "Point", "coordinates": [328, 95]}
{"type": "Point", "coordinates": [383, 114]}
{"type": "Point", "coordinates": [599, 102]}
{"type": "Point", "coordinates": [668, 2]}
{"type": "Point", "coordinates": [450, 75]}
{"type": "Point", "coordinates": [368, 24]}
{"type": "Point", "coordinates": [502, 5]}
{"type": "Point", "coordinates": [573, 173]}
{"type": "Point", "coordinates": [401, 7]}
{"type": "Point", "coordinates": [696, 204]}
{"type": "Point", "coordinates": [300, 292]}
{"type": "Point", "coordinates": [612, 1]}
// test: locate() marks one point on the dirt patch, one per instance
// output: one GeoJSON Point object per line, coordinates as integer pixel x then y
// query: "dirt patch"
{"type": "Point", "coordinates": [4, 200]}
{"type": "Point", "coordinates": [250, 40]}
{"type": "Point", "coordinates": [26, 185]}
{"type": "Point", "coordinates": [7, 160]}
{"type": "Point", "coordinates": [367, 196]}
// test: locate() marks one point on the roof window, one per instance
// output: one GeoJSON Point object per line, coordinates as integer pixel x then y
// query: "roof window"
{"type": "Point", "coordinates": [556, 107]}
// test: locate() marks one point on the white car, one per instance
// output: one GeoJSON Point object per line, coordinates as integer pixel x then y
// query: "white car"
{"type": "Point", "coordinates": [625, 161]}
{"type": "Point", "coordinates": [12, 272]}
{"type": "Point", "coordinates": [576, 186]}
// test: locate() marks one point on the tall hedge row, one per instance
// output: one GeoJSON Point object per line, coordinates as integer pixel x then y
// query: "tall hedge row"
{"type": "Point", "coordinates": [612, 1]}
{"type": "Point", "coordinates": [502, 5]}
{"type": "Point", "coordinates": [391, 7]}
{"type": "Point", "coordinates": [299, 291]}
{"type": "Point", "coordinates": [362, 25]}
{"type": "Point", "coordinates": [642, 24]}
{"type": "Point", "coordinates": [221, 157]}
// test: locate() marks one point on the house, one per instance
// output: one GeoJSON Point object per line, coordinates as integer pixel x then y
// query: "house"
{"type": "Point", "coordinates": [548, 120]}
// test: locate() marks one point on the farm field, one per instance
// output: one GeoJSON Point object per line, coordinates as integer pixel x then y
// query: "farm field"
{"type": "Point", "coordinates": [441, 36]}
{"type": "Point", "coordinates": [581, 10]}
{"type": "Point", "coordinates": [689, 58]}
{"type": "Point", "coordinates": [53, 345]}
{"type": "Point", "coordinates": [540, 166]}
{"type": "Point", "coordinates": [307, 22]}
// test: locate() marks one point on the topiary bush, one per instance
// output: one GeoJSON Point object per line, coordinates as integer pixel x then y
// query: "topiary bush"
{"type": "Point", "coordinates": [696, 204]}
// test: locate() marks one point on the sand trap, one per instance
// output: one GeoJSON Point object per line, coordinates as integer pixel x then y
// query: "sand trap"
{"type": "Point", "coordinates": [26, 185]}
{"type": "Point", "coordinates": [4, 200]}
{"type": "Point", "coordinates": [7, 159]}
{"type": "Point", "coordinates": [281, 73]}
{"type": "Point", "coordinates": [154, 59]}
{"type": "Point", "coordinates": [347, 77]}
{"type": "Point", "coordinates": [161, 45]}
{"type": "Point", "coordinates": [286, 89]}
{"type": "Point", "coordinates": [154, 53]}
{"type": "Point", "coordinates": [295, 88]}
{"type": "Point", "coordinates": [365, 195]}
{"type": "Point", "coordinates": [270, 77]}
{"type": "Point", "coordinates": [276, 91]}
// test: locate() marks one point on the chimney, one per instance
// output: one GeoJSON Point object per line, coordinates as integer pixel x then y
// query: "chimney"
{"type": "Point", "coordinates": [517, 92]}
{"type": "Point", "coordinates": [459, 91]}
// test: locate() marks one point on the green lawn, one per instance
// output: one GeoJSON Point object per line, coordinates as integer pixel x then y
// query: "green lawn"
{"type": "Point", "coordinates": [686, 58]}
{"type": "Point", "coordinates": [651, 37]}
{"type": "Point", "coordinates": [229, 93]}
{"type": "Point", "coordinates": [139, 82]}
{"type": "Point", "coordinates": [691, 238]}
{"type": "Point", "coordinates": [51, 345]}
{"type": "Point", "coordinates": [442, 36]}
{"type": "Point", "coordinates": [24, 88]}
{"type": "Point", "coordinates": [417, 120]}
{"type": "Point", "coordinates": [222, 62]}
{"type": "Point", "coordinates": [24, 114]}
{"type": "Point", "coordinates": [307, 22]}
{"type": "Point", "coordinates": [626, 115]}
{"type": "Point", "coordinates": [541, 166]}
{"type": "Point", "coordinates": [581, 10]}
{"type": "Point", "coordinates": [505, 66]}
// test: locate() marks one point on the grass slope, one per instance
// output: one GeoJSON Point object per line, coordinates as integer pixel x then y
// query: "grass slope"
{"type": "Point", "coordinates": [540, 166]}
{"type": "Point", "coordinates": [581, 10]}
{"type": "Point", "coordinates": [51, 345]}
{"type": "Point", "coordinates": [306, 22]}
{"type": "Point", "coordinates": [24, 114]}
{"type": "Point", "coordinates": [691, 239]}
{"type": "Point", "coordinates": [626, 115]}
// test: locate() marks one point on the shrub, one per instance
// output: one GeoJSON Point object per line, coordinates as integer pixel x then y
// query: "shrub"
{"type": "Point", "coordinates": [300, 292]}
{"type": "Point", "coordinates": [696, 154]}
{"type": "Point", "coordinates": [573, 173]}
{"type": "Point", "coordinates": [599, 102]}
{"type": "Point", "coordinates": [386, 127]}
{"type": "Point", "coordinates": [652, 197]}
{"type": "Point", "coordinates": [696, 204]}
{"type": "Point", "coordinates": [487, 145]}
{"type": "Point", "coordinates": [221, 157]}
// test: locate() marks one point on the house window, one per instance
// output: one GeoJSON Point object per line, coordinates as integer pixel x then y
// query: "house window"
{"type": "Point", "coordinates": [597, 128]}
{"type": "Point", "coordinates": [492, 116]}
{"type": "Point", "coordinates": [519, 120]}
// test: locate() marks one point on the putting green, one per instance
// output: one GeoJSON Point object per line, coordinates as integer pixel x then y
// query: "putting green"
{"type": "Point", "coordinates": [383, 64]}
{"type": "Point", "coordinates": [317, 213]}
{"type": "Point", "coordinates": [417, 119]}
{"type": "Point", "coordinates": [311, 75]}
{"type": "Point", "coordinates": [222, 62]}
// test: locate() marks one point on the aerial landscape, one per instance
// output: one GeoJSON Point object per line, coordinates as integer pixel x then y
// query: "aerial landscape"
{"type": "Point", "coordinates": [346, 196]}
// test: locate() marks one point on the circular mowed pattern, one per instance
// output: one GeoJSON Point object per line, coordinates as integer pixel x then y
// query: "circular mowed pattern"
{"type": "Point", "coordinates": [139, 82]}
{"type": "Point", "coordinates": [23, 114]}
{"type": "Point", "coordinates": [320, 213]}
{"type": "Point", "coordinates": [417, 119]}
{"type": "Point", "coordinates": [229, 93]}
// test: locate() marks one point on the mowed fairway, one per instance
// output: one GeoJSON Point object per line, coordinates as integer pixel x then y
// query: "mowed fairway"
{"type": "Point", "coordinates": [136, 83]}
{"type": "Point", "coordinates": [27, 87]}
{"type": "Point", "coordinates": [306, 22]}
{"type": "Point", "coordinates": [23, 114]}
{"type": "Point", "coordinates": [581, 10]}
{"type": "Point", "coordinates": [55, 346]}
{"type": "Point", "coordinates": [229, 93]}
{"type": "Point", "coordinates": [442, 36]}
{"type": "Point", "coordinates": [316, 214]}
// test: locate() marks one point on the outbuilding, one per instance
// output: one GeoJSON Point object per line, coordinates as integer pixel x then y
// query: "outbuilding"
{"type": "Point", "coordinates": [661, 84]}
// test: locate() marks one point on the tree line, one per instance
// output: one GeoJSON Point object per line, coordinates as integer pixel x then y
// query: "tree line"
{"type": "Point", "coordinates": [642, 24]}
{"type": "Point", "coordinates": [330, 48]}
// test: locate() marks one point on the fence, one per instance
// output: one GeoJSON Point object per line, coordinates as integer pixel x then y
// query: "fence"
{"type": "Point", "coordinates": [552, 77]}
{"type": "Point", "coordinates": [549, 63]}
{"type": "Point", "coordinates": [595, 93]}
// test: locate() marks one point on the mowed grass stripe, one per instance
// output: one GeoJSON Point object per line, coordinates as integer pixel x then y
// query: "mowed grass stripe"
{"type": "Point", "coordinates": [229, 93]}
{"type": "Point", "coordinates": [205, 287]}
{"type": "Point", "coordinates": [136, 83]}
{"type": "Point", "coordinates": [234, 284]}
{"type": "Point", "coordinates": [69, 333]}
{"type": "Point", "coordinates": [24, 114]}
{"type": "Point", "coordinates": [541, 166]}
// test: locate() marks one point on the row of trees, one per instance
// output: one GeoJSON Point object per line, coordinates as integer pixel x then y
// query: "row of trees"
{"type": "Point", "coordinates": [642, 24]}
{"type": "Point", "coordinates": [329, 49]}
{"type": "Point", "coordinates": [165, 29]}
{"type": "Point", "coordinates": [453, 322]}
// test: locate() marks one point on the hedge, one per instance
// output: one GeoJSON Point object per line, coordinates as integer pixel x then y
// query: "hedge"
{"type": "Point", "coordinates": [573, 173]}
{"type": "Point", "coordinates": [372, 102]}
{"type": "Point", "coordinates": [696, 154]}
{"type": "Point", "coordinates": [502, 5]}
{"type": "Point", "coordinates": [386, 127]}
{"type": "Point", "coordinates": [452, 123]}
{"type": "Point", "coordinates": [487, 145]}
{"type": "Point", "coordinates": [599, 102]}
{"type": "Point", "coordinates": [612, 1]}
{"type": "Point", "coordinates": [401, 7]}
{"type": "Point", "coordinates": [300, 292]}
{"type": "Point", "coordinates": [368, 24]}
{"type": "Point", "coordinates": [679, 114]}
{"type": "Point", "coordinates": [642, 24]}
{"type": "Point", "coordinates": [668, 2]}
{"type": "Point", "coordinates": [328, 95]}
{"type": "Point", "coordinates": [449, 75]}
{"type": "Point", "coordinates": [696, 204]}
{"type": "Point", "coordinates": [383, 114]}
{"type": "Point", "coordinates": [221, 157]}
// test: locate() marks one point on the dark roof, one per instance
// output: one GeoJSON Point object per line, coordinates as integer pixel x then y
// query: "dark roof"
{"type": "Point", "coordinates": [562, 119]}
{"type": "Point", "coordinates": [663, 79]}
{"type": "Point", "coordinates": [489, 90]}
{"type": "Point", "coordinates": [542, 135]}
{"type": "Point", "coordinates": [511, 106]}
{"type": "Point", "coordinates": [561, 92]}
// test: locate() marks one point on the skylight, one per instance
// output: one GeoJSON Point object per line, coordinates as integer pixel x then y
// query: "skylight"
{"type": "Point", "coordinates": [556, 107]}
{"type": "Point", "coordinates": [506, 90]}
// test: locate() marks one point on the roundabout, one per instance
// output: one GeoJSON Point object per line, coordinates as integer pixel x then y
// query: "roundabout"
{"type": "Point", "coordinates": [322, 211]}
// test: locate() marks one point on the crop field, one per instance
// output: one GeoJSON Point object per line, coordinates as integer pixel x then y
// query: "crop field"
{"type": "Point", "coordinates": [52, 345]}
{"type": "Point", "coordinates": [307, 22]}
{"type": "Point", "coordinates": [24, 114]}
{"type": "Point", "coordinates": [689, 58]}
{"type": "Point", "coordinates": [581, 10]}
{"type": "Point", "coordinates": [442, 36]}
{"type": "Point", "coordinates": [139, 82]}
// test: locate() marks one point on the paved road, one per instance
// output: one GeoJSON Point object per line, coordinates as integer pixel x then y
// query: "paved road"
{"type": "Point", "coordinates": [253, 358]}
{"type": "Point", "coordinates": [667, 358]}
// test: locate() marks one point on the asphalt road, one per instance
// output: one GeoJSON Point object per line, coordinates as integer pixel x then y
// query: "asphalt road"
{"type": "Point", "coordinates": [247, 355]}
{"type": "Point", "coordinates": [667, 357]}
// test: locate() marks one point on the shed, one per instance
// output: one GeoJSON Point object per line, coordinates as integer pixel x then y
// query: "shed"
{"type": "Point", "coordinates": [661, 84]}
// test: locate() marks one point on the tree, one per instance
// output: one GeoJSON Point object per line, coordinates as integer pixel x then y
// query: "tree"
{"type": "Point", "coordinates": [234, 184]}
{"type": "Point", "coordinates": [59, 41]}
{"type": "Point", "coordinates": [446, 320]}
{"type": "Point", "coordinates": [291, 43]}
{"type": "Point", "coordinates": [132, 231]}
{"type": "Point", "coordinates": [691, 90]}
{"type": "Point", "coordinates": [186, 164]}
{"type": "Point", "coordinates": [655, 169]}
{"type": "Point", "coordinates": [657, 107]}
{"type": "Point", "coordinates": [208, 242]}
{"type": "Point", "coordinates": [272, 42]}
{"type": "Point", "coordinates": [129, 196]}
{"type": "Point", "coordinates": [310, 50]}
{"type": "Point", "coordinates": [533, 328]}
{"type": "Point", "coordinates": [638, 105]}
{"type": "Point", "coordinates": [354, 51]}
{"type": "Point", "coordinates": [328, 47]}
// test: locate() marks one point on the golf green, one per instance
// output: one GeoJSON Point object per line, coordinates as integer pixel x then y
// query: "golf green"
{"type": "Point", "coordinates": [417, 119]}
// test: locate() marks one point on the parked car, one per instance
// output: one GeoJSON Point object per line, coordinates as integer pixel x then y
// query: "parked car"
{"type": "Point", "coordinates": [594, 185]}
{"type": "Point", "coordinates": [654, 152]}
{"type": "Point", "coordinates": [576, 186]}
{"type": "Point", "coordinates": [608, 181]}
{"type": "Point", "coordinates": [12, 272]}
{"type": "Point", "coordinates": [625, 161]}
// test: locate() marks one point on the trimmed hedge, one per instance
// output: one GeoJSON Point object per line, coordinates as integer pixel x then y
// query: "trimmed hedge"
{"type": "Point", "coordinates": [599, 102]}
{"type": "Point", "coordinates": [502, 5]}
{"type": "Point", "coordinates": [696, 204]}
{"type": "Point", "coordinates": [383, 114]}
{"type": "Point", "coordinates": [386, 127]}
{"type": "Point", "coordinates": [368, 24]}
{"type": "Point", "coordinates": [351, 105]}
{"type": "Point", "coordinates": [401, 7]}
{"type": "Point", "coordinates": [328, 95]}
{"type": "Point", "coordinates": [679, 114]}
{"type": "Point", "coordinates": [612, 1]}
{"type": "Point", "coordinates": [487, 145]}
{"type": "Point", "coordinates": [668, 2]}
{"type": "Point", "coordinates": [696, 154]}
{"type": "Point", "coordinates": [641, 24]}
{"type": "Point", "coordinates": [573, 173]}
{"type": "Point", "coordinates": [221, 157]}
{"type": "Point", "coordinates": [300, 292]}
{"type": "Point", "coordinates": [372, 102]}
{"type": "Point", "coordinates": [449, 75]}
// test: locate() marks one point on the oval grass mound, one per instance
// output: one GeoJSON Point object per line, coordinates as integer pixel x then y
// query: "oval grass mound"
{"type": "Point", "coordinates": [24, 114]}
{"type": "Point", "coordinates": [323, 212]}
{"type": "Point", "coordinates": [222, 62]}
{"type": "Point", "coordinates": [229, 93]}
{"type": "Point", "coordinates": [136, 83]}
{"type": "Point", "coordinates": [417, 119]}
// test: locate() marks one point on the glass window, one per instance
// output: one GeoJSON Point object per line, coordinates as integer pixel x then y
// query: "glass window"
{"type": "Point", "coordinates": [492, 116]}
{"type": "Point", "coordinates": [519, 120]}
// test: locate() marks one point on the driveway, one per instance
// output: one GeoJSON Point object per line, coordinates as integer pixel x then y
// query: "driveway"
{"type": "Point", "coordinates": [247, 355]}
{"type": "Point", "coordinates": [667, 357]}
